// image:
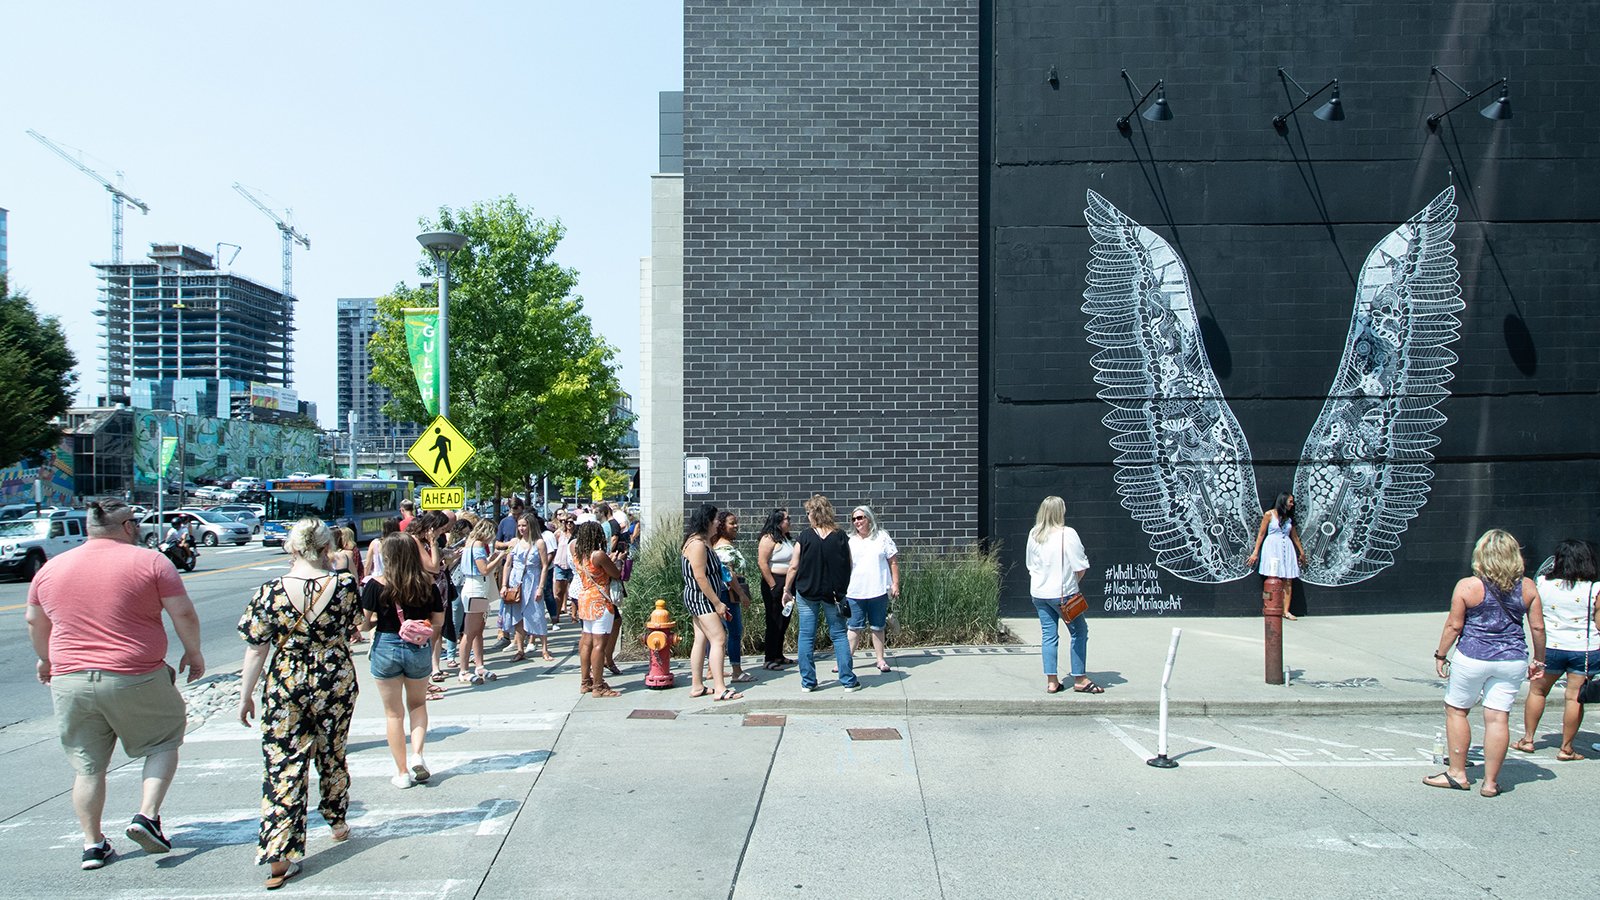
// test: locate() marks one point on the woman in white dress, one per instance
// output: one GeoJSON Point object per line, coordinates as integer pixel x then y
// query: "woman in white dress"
{"type": "Point", "coordinates": [1278, 548]}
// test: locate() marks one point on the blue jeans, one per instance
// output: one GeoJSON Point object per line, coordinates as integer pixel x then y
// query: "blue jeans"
{"type": "Point", "coordinates": [735, 627]}
{"type": "Point", "coordinates": [808, 610]}
{"type": "Point", "coordinates": [458, 619]}
{"type": "Point", "coordinates": [1049, 616]}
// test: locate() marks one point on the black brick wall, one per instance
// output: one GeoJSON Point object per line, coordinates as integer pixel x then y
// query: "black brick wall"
{"type": "Point", "coordinates": [1519, 450]}
{"type": "Point", "coordinates": [830, 271]}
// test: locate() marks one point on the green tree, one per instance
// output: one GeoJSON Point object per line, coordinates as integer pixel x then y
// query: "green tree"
{"type": "Point", "coordinates": [35, 378]}
{"type": "Point", "coordinates": [531, 384]}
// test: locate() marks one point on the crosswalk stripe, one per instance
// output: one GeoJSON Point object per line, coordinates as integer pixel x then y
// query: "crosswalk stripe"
{"type": "Point", "coordinates": [374, 763]}
{"type": "Point", "coordinates": [442, 889]}
{"type": "Point", "coordinates": [229, 729]}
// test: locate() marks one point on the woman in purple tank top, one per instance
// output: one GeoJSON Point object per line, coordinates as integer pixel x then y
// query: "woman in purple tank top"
{"type": "Point", "coordinates": [1491, 656]}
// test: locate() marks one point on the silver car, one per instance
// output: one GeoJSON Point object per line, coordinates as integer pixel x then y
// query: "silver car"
{"type": "Point", "coordinates": [207, 527]}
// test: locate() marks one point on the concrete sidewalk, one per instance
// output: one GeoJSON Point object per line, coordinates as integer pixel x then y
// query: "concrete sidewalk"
{"type": "Point", "coordinates": [1337, 665]}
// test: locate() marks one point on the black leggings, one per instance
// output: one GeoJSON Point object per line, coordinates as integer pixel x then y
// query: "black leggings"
{"type": "Point", "coordinates": [777, 622]}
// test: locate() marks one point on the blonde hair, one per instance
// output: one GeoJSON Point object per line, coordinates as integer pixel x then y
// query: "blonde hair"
{"type": "Point", "coordinates": [819, 510]}
{"type": "Point", "coordinates": [1052, 515]}
{"type": "Point", "coordinates": [1498, 558]}
{"type": "Point", "coordinates": [346, 537]}
{"type": "Point", "coordinates": [483, 531]}
{"type": "Point", "coordinates": [872, 520]}
{"type": "Point", "coordinates": [309, 539]}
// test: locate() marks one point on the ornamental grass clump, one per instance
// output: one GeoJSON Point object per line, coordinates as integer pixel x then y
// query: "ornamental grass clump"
{"type": "Point", "coordinates": [947, 596]}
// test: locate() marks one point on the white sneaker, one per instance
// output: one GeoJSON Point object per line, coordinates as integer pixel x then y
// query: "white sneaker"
{"type": "Point", "coordinates": [402, 781]}
{"type": "Point", "coordinates": [808, 688]}
{"type": "Point", "coordinates": [853, 688]}
{"type": "Point", "coordinates": [419, 771]}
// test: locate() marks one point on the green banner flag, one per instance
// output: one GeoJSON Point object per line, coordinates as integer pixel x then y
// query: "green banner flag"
{"type": "Point", "coordinates": [423, 346]}
{"type": "Point", "coordinates": [169, 448]}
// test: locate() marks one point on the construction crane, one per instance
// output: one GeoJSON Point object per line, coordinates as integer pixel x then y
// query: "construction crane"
{"type": "Point", "coordinates": [118, 195]}
{"type": "Point", "coordinates": [291, 236]}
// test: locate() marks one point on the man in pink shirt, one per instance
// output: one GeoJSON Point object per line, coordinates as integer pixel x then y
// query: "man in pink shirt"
{"type": "Point", "coordinates": [94, 614]}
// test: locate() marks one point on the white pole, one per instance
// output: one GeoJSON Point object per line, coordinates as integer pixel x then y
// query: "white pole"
{"type": "Point", "coordinates": [1162, 761]}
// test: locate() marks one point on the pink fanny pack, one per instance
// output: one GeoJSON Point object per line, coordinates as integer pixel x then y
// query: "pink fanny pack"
{"type": "Point", "coordinates": [413, 631]}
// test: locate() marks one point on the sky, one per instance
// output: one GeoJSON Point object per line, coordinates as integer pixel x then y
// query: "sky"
{"type": "Point", "coordinates": [361, 117]}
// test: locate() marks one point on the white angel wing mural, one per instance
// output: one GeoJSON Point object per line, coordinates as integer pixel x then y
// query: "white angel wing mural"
{"type": "Point", "coordinates": [1364, 471]}
{"type": "Point", "coordinates": [1184, 470]}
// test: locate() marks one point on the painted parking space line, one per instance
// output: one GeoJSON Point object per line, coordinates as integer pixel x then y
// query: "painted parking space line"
{"type": "Point", "coordinates": [1124, 739]}
{"type": "Point", "coordinates": [1329, 753]}
{"type": "Point", "coordinates": [376, 763]}
{"type": "Point", "coordinates": [229, 729]}
{"type": "Point", "coordinates": [442, 889]}
{"type": "Point", "coordinates": [1296, 737]}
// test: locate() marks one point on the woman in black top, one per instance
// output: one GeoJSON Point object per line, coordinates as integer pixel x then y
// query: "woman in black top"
{"type": "Point", "coordinates": [818, 578]}
{"type": "Point", "coordinates": [405, 589]}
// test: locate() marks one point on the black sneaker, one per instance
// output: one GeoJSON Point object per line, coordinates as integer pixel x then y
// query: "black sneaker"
{"type": "Point", "coordinates": [147, 834]}
{"type": "Point", "coordinates": [99, 855]}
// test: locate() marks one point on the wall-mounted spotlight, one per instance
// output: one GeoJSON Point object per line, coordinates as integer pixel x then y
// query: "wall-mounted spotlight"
{"type": "Point", "coordinates": [1054, 80]}
{"type": "Point", "coordinates": [1332, 111]}
{"type": "Point", "coordinates": [1159, 111]}
{"type": "Point", "coordinates": [1499, 108]}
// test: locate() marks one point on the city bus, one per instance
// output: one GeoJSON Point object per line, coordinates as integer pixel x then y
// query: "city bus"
{"type": "Point", "coordinates": [360, 503]}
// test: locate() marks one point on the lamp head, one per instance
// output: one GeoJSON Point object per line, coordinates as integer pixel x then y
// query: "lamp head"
{"type": "Point", "coordinates": [1333, 110]}
{"type": "Point", "coordinates": [442, 243]}
{"type": "Point", "coordinates": [1501, 107]}
{"type": "Point", "coordinates": [1159, 111]}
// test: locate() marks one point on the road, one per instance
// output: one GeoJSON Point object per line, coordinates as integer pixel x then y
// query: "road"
{"type": "Point", "coordinates": [220, 584]}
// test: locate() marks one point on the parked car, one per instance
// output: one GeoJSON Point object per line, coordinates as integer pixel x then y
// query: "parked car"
{"type": "Point", "coordinates": [240, 515]}
{"type": "Point", "coordinates": [209, 528]}
{"type": "Point", "coordinates": [26, 544]}
{"type": "Point", "coordinates": [14, 510]}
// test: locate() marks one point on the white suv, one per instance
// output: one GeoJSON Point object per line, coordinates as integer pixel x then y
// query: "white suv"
{"type": "Point", "coordinates": [25, 544]}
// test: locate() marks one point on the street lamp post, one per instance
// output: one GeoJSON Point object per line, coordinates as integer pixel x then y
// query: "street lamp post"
{"type": "Point", "coordinates": [352, 418]}
{"type": "Point", "coordinates": [442, 245]}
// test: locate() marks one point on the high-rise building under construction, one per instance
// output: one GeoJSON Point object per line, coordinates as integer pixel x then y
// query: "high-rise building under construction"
{"type": "Point", "coordinates": [174, 316]}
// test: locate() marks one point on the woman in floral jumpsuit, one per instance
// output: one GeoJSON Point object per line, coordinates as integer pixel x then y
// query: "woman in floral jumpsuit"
{"type": "Point", "coordinates": [310, 694]}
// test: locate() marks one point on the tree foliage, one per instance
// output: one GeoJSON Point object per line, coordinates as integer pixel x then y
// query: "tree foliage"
{"type": "Point", "coordinates": [35, 378]}
{"type": "Point", "coordinates": [532, 386]}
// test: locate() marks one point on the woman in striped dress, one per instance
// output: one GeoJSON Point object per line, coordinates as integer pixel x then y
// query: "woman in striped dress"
{"type": "Point", "coordinates": [701, 573]}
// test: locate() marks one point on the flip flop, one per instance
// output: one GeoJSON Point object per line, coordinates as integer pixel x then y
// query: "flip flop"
{"type": "Point", "coordinates": [729, 694]}
{"type": "Point", "coordinates": [342, 833]}
{"type": "Point", "coordinates": [884, 668]}
{"type": "Point", "coordinates": [703, 691]}
{"type": "Point", "coordinates": [1450, 783]}
{"type": "Point", "coordinates": [438, 676]}
{"type": "Point", "coordinates": [743, 678]}
{"type": "Point", "coordinates": [1052, 688]}
{"type": "Point", "coordinates": [277, 881]}
{"type": "Point", "coordinates": [1090, 688]}
{"type": "Point", "coordinates": [1489, 792]}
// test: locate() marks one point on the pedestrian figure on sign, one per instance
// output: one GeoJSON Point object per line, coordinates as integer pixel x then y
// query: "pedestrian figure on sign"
{"type": "Point", "coordinates": [441, 446]}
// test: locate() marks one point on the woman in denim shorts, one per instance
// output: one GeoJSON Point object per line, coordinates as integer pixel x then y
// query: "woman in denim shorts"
{"type": "Point", "coordinates": [874, 578]}
{"type": "Point", "coordinates": [1571, 640]}
{"type": "Point", "coordinates": [403, 592]}
{"type": "Point", "coordinates": [561, 565]}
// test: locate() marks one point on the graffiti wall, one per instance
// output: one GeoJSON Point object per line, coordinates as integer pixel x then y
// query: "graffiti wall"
{"type": "Point", "coordinates": [17, 481]}
{"type": "Point", "coordinates": [212, 448]}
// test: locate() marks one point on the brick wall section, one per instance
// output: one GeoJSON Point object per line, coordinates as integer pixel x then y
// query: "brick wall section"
{"type": "Point", "coordinates": [1519, 450]}
{"type": "Point", "coordinates": [830, 288]}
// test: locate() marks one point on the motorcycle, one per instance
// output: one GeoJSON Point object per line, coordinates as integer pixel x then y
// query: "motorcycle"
{"type": "Point", "coordinates": [182, 553]}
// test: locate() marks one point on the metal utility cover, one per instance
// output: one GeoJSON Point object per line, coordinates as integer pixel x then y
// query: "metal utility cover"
{"type": "Point", "coordinates": [873, 734]}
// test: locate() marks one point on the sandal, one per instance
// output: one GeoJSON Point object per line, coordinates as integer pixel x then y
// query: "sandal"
{"type": "Point", "coordinates": [518, 656]}
{"type": "Point", "coordinates": [1569, 755]}
{"type": "Point", "coordinates": [438, 676]}
{"type": "Point", "coordinates": [1052, 688]}
{"type": "Point", "coordinates": [1487, 791]}
{"type": "Point", "coordinates": [605, 692]}
{"type": "Point", "coordinates": [1450, 784]}
{"type": "Point", "coordinates": [729, 694]}
{"type": "Point", "coordinates": [1089, 688]}
{"type": "Point", "coordinates": [883, 667]}
{"type": "Point", "coordinates": [277, 881]}
{"type": "Point", "coordinates": [548, 658]}
{"type": "Point", "coordinates": [699, 692]}
{"type": "Point", "coordinates": [1524, 746]}
{"type": "Point", "coordinates": [743, 678]}
{"type": "Point", "coordinates": [341, 832]}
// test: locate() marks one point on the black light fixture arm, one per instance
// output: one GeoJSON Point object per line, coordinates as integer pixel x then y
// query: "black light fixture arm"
{"type": "Point", "coordinates": [1279, 120]}
{"type": "Point", "coordinates": [1122, 123]}
{"type": "Point", "coordinates": [1433, 120]}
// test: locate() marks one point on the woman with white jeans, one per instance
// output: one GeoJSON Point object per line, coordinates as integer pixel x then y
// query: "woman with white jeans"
{"type": "Point", "coordinates": [1056, 565]}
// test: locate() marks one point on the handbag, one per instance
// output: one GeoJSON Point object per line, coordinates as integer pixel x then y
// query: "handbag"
{"type": "Point", "coordinates": [413, 631]}
{"type": "Point", "coordinates": [1590, 692]}
{"type": "Point", "coordinates": [1074, 606]}
{"type": "Point", "coordinates": [615, 592]}
{"type": "Point", "coordinates": [512, 594]}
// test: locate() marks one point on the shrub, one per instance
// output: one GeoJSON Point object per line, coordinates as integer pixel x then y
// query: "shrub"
{"type": "Point", "coordinates": [947, 596]}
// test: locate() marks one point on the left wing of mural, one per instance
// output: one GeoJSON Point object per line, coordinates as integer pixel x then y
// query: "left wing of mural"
{"type": "Point", "coordinates": [1184, 467]}
{"type": "Point", "coordinates": [1365, 468]}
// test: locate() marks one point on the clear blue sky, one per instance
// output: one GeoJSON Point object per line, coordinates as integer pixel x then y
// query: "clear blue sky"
{"type": "Point", "coordinates": [360, 116]}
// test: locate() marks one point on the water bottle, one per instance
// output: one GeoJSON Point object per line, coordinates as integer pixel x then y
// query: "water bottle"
{"type": "Point", "coordinates": [1438, 748]}
{"type": "Point", "coordinates": [788, 607]}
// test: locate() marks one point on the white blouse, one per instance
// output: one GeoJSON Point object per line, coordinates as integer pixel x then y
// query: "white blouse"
{"type": "Point", "coordinates": [1053, 566]}
{"type": "Point", "coordinates": [869, 566]}
{"type": "Point", "coordinates": [1567, 607]}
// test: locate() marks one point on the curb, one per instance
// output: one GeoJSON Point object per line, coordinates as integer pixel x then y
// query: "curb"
{"type": "Point", "coordinates": [1080, 707]}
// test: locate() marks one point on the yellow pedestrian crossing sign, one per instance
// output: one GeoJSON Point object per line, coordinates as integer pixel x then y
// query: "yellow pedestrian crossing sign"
{"type": "Point", "coordinates": [597, 488]}
{"type": "Point", "coordinates": [441, 451]}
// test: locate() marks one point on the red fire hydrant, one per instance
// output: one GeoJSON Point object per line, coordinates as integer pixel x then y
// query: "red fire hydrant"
{"type": "Point", "coordinates": [660, 636]}
{"type": "Point", "coordinates": [1272, 614]}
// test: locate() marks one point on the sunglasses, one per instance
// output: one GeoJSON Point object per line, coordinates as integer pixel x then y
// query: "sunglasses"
{"type": "Point", "coordinates": [858, 518]}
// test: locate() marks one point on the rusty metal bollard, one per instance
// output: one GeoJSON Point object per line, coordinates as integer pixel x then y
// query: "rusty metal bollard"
{"type": "Point", "coordinates": [1272, 614]}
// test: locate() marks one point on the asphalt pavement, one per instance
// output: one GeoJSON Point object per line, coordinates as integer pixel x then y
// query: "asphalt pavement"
{"type": "Point", "coordinates": [954, 775]}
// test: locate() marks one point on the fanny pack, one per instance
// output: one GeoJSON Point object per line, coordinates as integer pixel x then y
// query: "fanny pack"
{"type": "Point", "coordinates": [413, 631]}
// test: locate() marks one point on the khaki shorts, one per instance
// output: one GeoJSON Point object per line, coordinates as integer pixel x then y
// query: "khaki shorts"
{"type": "Point", "coordinates": [94, 709]}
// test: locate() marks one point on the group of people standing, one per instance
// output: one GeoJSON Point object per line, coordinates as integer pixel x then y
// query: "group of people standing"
{"type": "Point", "coordinates": [822, 575]}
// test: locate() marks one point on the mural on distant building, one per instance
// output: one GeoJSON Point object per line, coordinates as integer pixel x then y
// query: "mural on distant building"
{"type": "Point", "coordinates": [216, 447]}
{"type": "Point", "coordinates": [17, 481]}
{"type": "Point", "coordinates": [1185, 470]}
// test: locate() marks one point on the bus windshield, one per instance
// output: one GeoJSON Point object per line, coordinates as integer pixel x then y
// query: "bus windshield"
{"type": "Point", "coordinates": [294, 505]}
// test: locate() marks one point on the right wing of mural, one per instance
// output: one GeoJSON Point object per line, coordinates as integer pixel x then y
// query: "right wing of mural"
{"type": "Point", "coordinates": [1364, 470]}
{"type": "Point", "coordinates": [1184, 469]}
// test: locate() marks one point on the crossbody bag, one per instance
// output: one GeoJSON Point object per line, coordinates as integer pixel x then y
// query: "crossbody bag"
{"type": "Point", "coordinates": [1074, 605]}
